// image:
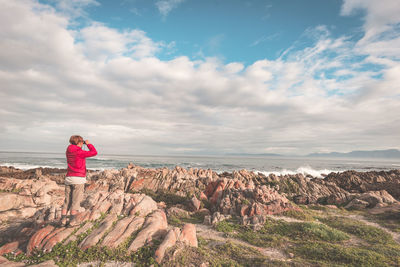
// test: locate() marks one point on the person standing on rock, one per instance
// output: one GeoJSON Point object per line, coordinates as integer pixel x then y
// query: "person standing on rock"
{"type": "Point", "coordinates": [76, 176]}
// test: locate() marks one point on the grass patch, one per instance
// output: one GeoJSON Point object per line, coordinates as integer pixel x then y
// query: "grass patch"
{"type": "Point", "coordinates": [226, 227]}
{"type": "Point", "coordinates": [276, 232]}
{"type": "Point", "coordinates": [218, 254]}
{"type": "Point", "coordinates": [304, 231]}
{"type": "Point", "coordinates": [388, 219]}
{"type": "Point", "coordinates": [303, 215]}
{"type": "Point", "coordinates": [330, 254]}
{"type": "Point", "coordinates": [369, 233]}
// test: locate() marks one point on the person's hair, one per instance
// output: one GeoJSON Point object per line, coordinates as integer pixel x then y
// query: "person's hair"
{"type": "Point", "coordinates": [75, 139]}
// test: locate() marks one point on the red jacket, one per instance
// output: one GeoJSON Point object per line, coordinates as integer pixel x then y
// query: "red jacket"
{"type": "Point", "coordinates": [76, 159]}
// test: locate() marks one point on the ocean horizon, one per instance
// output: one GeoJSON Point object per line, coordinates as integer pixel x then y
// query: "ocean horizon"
{"type": "Point", "coordinates": [279, 165]}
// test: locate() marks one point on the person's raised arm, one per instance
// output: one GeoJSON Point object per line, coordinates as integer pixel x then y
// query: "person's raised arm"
{"type": "Point", "coordinates": [91, 153]}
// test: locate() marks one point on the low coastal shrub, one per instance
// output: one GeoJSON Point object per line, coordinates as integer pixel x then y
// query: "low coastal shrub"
{"type": "Point", "coordinates": [388, 219]}
{"type": "Point", "coordinates": [219, 254]}
{"type": "Point", "coordinates": [304, 231]}
{"type": "Point", "coordinates": [277, 232]}
{"type": "Point", "coordinates": [369, 233]}
{"type": "Point", "coordinates": [334, 254]}
{"type": "Point", "coordinates": [226, 227]}
{"type": "Point", "coordinates": [303, 215]}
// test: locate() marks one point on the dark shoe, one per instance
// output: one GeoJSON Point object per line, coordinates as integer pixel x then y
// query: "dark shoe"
{"type": "Point", "coordinates": [63, 220]}
{"type": "Point", "coordinates": [74, 220]}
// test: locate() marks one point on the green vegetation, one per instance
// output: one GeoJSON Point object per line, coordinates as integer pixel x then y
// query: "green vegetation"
{"type": "Point", "coordinates": [321, 252]}
{"type": "Point", "coordinates": [303, 215]}
{"type": "Point", "coordinates": [14, 190]}
{"type": "Point", "coordinates": [321, 244]}
{"type": "Point", "coordinates": [218, 254]}
{"type": "Point", "coordinates": [277, 232]}
{"type": "Point", "coordinates": [388, 219]}
{"type": "Point", "coordinates": [181, 220]}
{"type": "Point", "coordinates": [226, 227]}
{"type": "Point", "coordinates": [304, 231]}
{"type": "Point", "coordinates": [71, 255]}
{"type": "Point", "coordinates": [369, 233]}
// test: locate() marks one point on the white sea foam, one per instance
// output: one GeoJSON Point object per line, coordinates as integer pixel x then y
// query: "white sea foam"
{"type": "Point", "coordinates": [305, 170]}
{"type": "Point", "coordinates": [24, 166]}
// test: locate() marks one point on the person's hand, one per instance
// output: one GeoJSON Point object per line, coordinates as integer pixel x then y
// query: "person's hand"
{"type": "Point", "coordinates": [87, 142]}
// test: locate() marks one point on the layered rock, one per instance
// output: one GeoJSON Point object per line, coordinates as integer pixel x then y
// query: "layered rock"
{"type": "Point", "coordinates": [361, 182]}
{"type": "Point", "coordinates": [114, 209]}
{"type": "Point", "coordinates": [21, 198]}
{"type": "Point", "coordinates": [142, 218]}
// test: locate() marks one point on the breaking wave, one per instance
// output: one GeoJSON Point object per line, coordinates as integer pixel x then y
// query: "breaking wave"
{"type": "Point", "coordinates": [305, 170]}
{"type": "Point", "coordinates": [23, 166]}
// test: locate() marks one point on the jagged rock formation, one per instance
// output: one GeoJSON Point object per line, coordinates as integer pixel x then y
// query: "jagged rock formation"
{"type": "Point", "coordinates": [115, 209]}
{"type": "Point", "coordinates": [118, 216]}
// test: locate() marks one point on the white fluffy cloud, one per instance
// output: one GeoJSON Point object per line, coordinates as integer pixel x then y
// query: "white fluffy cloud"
{"type": "Point", "coordinates": [109, 85]}
{"type": "Point", "coordinates": [166, 6]}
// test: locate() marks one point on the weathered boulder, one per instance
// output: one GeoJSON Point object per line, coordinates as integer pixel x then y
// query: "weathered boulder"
{"type": "Point", "coordinates": [168, 242]}
{"type": "Point", "coordinates": [357, 204]}
{"type": "Point", "coordinates": [155, 224]}
{"type": "Point", "coordinates": [96, 235]}
{"type": "Point", "coordinates": [188, 235]}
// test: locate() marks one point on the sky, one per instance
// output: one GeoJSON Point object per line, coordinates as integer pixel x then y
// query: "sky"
{"type": "Point", "coordinates": [209, 77]}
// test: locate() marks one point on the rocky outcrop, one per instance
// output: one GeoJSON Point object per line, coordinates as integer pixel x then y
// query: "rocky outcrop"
{"type": "Point", "coordinates": [21, 198]}
{"type": "Point", "coordinates": [109, 218]}
{"type": "Point", "coordinates": [108, 231]}
{"type": "Point", "coordinates": [115, 209]}
{"type": "Point", "coordinates": [362, 182]}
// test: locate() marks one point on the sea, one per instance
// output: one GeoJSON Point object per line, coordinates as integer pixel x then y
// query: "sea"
{"type": "Point", "coordinates": [279, 165]}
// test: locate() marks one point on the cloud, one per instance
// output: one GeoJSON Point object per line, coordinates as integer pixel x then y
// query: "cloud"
{"type": "Point", "coordinates": [99, 42]}
{"type": "Point", "coordinates": [110, 86]}
{"type": "Point", "coordinates": [74, 8]}
{"type": "Point", "coordinates": [381, 27]}
{"type": "Point", "coordinates": [166, 6]}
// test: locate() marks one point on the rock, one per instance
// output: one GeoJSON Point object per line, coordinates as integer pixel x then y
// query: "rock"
{"type": "Point", "coordinates": [37, 238]}
{"type": "Point", "coordinates": [195, 203]}
{"type": "Point", "coordinates": [6, 263]}
{"type": "Point", "coordinates": [188, 235]}
{"type": "Point", "coordinates": [207, 220]}
{"type": "Point", "coordinates": [11, 201]}
{"type": "Point", "coordinates": [49, 236]}
{"type": "Point", "coordinates": [133, 226]}
{"type": "Point", "coordinates": [144, 207]}
{"type": "Point", "coordinates": [377, 197]}
{"type": "Point", "coordinates": [9, 247]}
{"type": "Point", "coordinates": [203, 196]}
{"type": "Point", "coordinates": [161, 205]}
{"type": "Point", "coordinates": [156, 222]}
{"type": "Point", "coordinates": [122, 230]}
{"type": "Point", "coordinates": [49, 263]}
{"type": "Point", "coordinates": [357, 204]}
{"type": "Point", "coordinates": [81, 230]}
{"type": "Point", "coordinates": [95, 236]}
{"type": "Point", "coordinates": [177, 212]}
{"type": "Point", "coordinates": [60, 236]}
{"type": "Point", "coordinates": [245, 194]}
{"type": "Point", "coordinates": [169, 241]}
